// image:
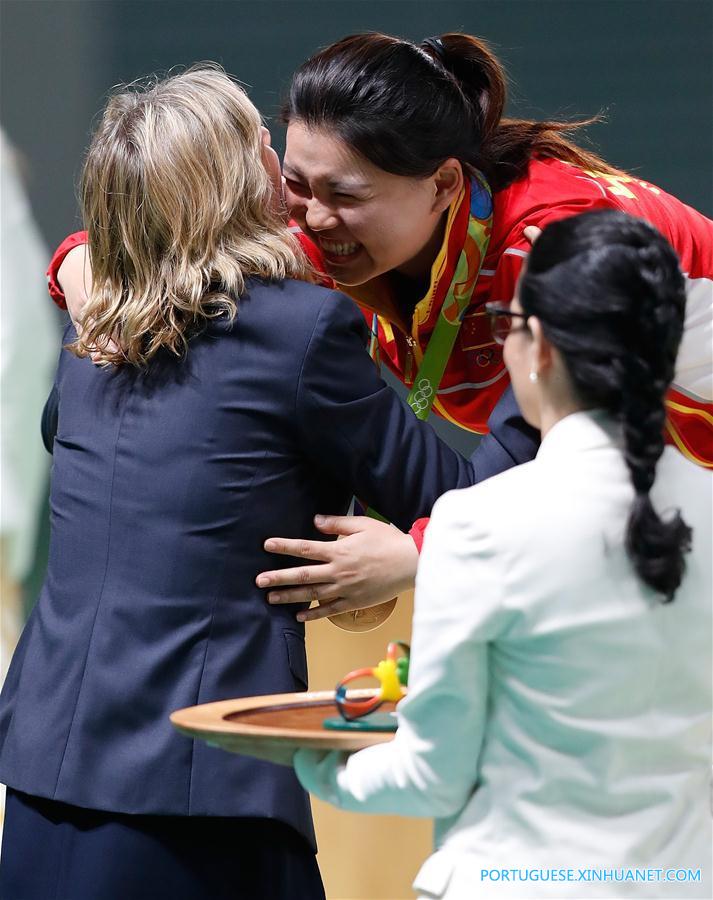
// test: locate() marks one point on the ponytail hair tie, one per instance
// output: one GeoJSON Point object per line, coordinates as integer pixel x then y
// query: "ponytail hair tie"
{"type": "Point", "coordinates": [435, 44]}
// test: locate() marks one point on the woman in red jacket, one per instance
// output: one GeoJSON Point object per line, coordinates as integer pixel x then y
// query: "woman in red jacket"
{"type": "Point", "coordinates": [415, 193]}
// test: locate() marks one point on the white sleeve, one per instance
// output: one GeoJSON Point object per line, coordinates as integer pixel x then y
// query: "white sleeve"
{"type": "Point", "coordinates": [431, 766]}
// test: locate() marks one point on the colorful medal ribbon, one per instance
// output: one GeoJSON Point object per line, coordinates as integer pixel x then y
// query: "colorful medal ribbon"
{"type": "Point", "coordinates": [457, 299]}
{"type": "Point", "coordinates": [689, 426]}
{"type": "Point", "coordinates": [477, 198]}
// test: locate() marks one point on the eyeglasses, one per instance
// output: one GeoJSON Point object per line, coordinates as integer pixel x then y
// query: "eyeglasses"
{"type": "Point", "coordinates": [501, 317]}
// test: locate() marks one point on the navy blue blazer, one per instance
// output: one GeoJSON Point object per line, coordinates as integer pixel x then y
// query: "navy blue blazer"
{"type": "Point", "coordinates": [165, 483]}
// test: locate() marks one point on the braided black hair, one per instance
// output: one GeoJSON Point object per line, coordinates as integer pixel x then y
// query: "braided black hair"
{"type": "Point", "coordinates": [610, 295]}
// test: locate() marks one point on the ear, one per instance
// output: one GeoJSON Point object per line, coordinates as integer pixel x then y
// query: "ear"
{"type": "Point", "coordinates": [447, 180]}
{"type": "Point", "coordinates": [542, 351]}
{"type": "Point", "coordinates": [271, 161]}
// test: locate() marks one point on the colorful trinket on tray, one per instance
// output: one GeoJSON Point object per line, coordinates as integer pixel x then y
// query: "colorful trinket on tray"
{"type": "Point", "coordinates": [361, 712]}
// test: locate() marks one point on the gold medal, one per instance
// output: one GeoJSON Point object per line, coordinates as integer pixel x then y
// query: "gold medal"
{"type": "Point", "coordinates": [364, 619]}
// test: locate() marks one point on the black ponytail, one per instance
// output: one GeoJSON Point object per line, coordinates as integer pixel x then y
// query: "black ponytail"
{"type": "Point", "coordinates": [610, 295]}
{"type": "Point", "coordinates": [408, 107]}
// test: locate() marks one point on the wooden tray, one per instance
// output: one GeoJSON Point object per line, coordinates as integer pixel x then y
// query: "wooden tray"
{"type": "Point", "coordinates": [273, 727]}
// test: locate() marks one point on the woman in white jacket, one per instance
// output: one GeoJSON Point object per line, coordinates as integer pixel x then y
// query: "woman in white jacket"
{"type": "Point", "coordinates": [558, 724]}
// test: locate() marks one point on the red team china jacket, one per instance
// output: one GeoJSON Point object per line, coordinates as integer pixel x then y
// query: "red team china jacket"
{"type": "Point", "coordinates": [476, 376]}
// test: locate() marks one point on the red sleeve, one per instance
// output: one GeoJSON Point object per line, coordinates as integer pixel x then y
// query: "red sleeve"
{"type": "Point", "coordinates": [517, 247]}
{"type": "Point", "coordinates": [80, 237]}
{"type": "Point", "coordinates": [313, 254]}
{"type": "Point", "coordinates": [418, 529]}
{"type": "Point", "coordinates": [69, 243]}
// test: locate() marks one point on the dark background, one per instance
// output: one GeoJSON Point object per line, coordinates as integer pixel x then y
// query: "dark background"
{"type": "Point", "coordinates": [646, 63]}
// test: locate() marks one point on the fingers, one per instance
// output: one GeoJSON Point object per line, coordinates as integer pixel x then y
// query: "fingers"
{"type": "Point", "coordinates": [303, 594]}
{"type": "Point", "coordinates": [532, 232]}
{"type": "Point", "coordinates": [340, 605]}
{"type": "Point", "coordinates": [322, 551]}
{"type": "Point", "coordinates": [319, 550]}
{"type": "Point", "coordinates": [296, 576]}
{"type": "Point", "coordinates": [341, 524]}
{"type": "Point", "coordinates": [84, 326]}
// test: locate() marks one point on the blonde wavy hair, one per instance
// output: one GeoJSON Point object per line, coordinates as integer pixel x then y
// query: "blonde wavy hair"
{"type": "Point", "coordinates": [179, 210]}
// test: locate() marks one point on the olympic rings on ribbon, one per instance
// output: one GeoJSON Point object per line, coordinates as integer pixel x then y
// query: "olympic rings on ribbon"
{"type": "Point", "coordinates": [392, 674]}
{"type": "Point", "coordinates": [420, 399]}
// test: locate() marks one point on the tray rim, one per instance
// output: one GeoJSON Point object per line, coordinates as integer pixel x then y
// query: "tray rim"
{"type": "Point", "coordinates": [209, 720]}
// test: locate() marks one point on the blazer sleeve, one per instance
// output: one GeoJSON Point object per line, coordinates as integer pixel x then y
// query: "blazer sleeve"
{"type": "Point", "coordinates": [431, 767]}
{"type": "Point", "coordinates": [509, 442]}
{"type": "Point", "coordinates": [50, 414]}
{"type": "Point", "coordinates": [50, 419]}
{"type": "Point", "coordinates": [355, 427]}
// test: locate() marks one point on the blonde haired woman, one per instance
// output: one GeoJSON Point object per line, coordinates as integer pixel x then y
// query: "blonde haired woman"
{"type": "Point", "coordinates": [228, 402]}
